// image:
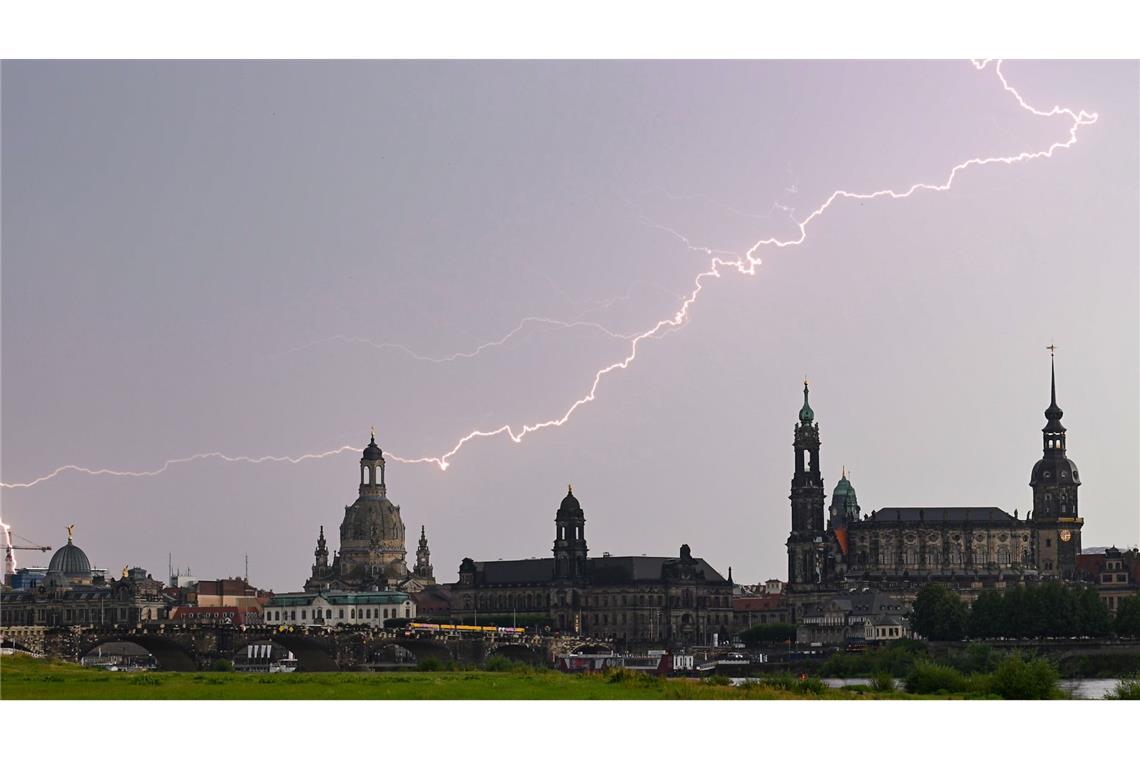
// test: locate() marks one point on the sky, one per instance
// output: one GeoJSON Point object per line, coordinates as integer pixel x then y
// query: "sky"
{"type": "Point", "coordinates": [269, 258]}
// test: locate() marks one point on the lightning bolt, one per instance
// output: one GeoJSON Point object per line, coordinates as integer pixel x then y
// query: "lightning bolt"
{"type": "Point", "coordinates": [556, 323]}
{"type": "Point", "coordinates": [745, 263]}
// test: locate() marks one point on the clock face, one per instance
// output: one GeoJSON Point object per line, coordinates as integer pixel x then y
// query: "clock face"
{"type": "Point", "coordinates": [1066, 535]}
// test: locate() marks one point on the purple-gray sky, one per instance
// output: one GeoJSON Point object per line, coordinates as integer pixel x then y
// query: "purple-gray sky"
{"type": "Point", "coordinates": [183, 243]}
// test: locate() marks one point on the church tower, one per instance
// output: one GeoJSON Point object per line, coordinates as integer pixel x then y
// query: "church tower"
{"type": "Point", "coordinates": [805, 542]}
{"type": "Point", "coordinates": [1054, 480]}
{"type": "Point", "coordinates": [321, 557]}
{"type": "Point", "coordinates": [569, 539]}
{"type": "Point", "coordinates": [423, 569]}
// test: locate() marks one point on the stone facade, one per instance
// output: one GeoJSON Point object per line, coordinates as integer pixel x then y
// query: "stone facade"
{"type": "Point", "coordinates": [903, 548]}
{"type": "Point", "coordinates": [632, 600]}
{"type": "Point", "coordinates": [133, 598]}
{"type": "Point", "coordinates": [372, 553]}
{"type": "Point", "coordinates": [332, 608]}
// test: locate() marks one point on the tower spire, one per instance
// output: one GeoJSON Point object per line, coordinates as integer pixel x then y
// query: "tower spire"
{"type": "Point", "coordinates": [806, 413]}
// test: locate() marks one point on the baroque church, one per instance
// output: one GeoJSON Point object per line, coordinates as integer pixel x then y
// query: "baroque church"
{"type": "Point", "coordinates": [372, 555]}
{"type": "Point", "coordinates": [905, 547]}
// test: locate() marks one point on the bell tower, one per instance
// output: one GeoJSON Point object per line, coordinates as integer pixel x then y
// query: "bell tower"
{"type": "Point", "coordinates": [569, 539]}
{"type": "Point", "coordinates": [423, 569]}
{"type": "Point", "coordinates": [372, 482]}
{"type": "Point", "coordinates": [805, 542]}
{"type": "Point", "coordinates": [1055, 480]}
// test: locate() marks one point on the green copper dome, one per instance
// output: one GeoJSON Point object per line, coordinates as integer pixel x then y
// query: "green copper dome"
{"type": "Point", "coordinates": [806, 414]}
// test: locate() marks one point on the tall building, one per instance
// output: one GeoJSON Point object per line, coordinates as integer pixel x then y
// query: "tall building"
{"type": "Point", "coordinates": [1054, 480]}
{"type": "Point", "coordinates": [372, 551]}
{"type": "Point", "coordinates": [633, 600]}
{"type": "Point", "coordinates": [805, 566]}
{"type": "Point", "coordinates": [905, 547]}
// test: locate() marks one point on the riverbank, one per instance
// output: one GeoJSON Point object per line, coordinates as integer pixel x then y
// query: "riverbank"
{"type": "Point", "coordinates": [23, 678]}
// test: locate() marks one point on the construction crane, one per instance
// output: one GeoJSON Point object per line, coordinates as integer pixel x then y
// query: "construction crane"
{"type": "Point", "coordinates": [9, 558]}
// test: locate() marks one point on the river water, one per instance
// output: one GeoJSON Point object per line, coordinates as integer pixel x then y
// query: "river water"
{"type": "Point", "coordinates": [1076, 688]}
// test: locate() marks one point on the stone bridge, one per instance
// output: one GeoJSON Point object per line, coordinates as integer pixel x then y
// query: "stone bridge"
{"type": "Point", "coordinates": [197, 647]}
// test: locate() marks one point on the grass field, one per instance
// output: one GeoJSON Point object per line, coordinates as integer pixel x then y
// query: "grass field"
{"type": "Point", "coordinates": [24, 677]}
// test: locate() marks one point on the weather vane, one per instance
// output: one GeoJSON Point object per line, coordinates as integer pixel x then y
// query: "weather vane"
{"type": "Point", "coordinates": [1051, 348]}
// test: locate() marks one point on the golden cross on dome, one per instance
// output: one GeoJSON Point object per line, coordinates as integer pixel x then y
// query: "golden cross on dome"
{"type": "Point", "coordinates": [1051, 348]}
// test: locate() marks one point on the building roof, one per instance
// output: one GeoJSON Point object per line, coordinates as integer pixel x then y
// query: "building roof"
{"type": "Point", "coordinates": [627, 569]}
{"type": "Point", "coordinates": [932, 515]}
{"type": "Point", "coordinates": [70, 560]}
{"type": "Point", "coordinates": [765, 603]}
{"type": "Point", "coordinates": [806, 413]}
{"type": "Point", "coordinates": [602, 570]}
{"type": "Point", "coordinates": [516, 571]}
{"type": "Point", "coordinates": [304, 599]}
{"type": "Point", "coordinates": [372, 452]}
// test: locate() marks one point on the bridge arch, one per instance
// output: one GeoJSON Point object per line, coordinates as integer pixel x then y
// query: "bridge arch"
{"type": "Point", "coordinates": [314, 654]}
{"type": "Point", "coordinates": [513, 650]}
{"type": "Point", "coordinates": [420, 649]}
{"type": "Point", "coordinates": [168, 653]}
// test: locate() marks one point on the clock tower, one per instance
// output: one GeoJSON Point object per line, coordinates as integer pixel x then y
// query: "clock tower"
{"type": "Point", "coordinates": [806, 541]}
{"type": "Point", "coordinates": [1054, 480]}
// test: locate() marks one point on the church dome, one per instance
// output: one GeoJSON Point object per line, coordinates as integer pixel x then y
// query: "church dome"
{"type": "Point", "coordinates": [843, 490]}
{"type": "Point", "coordinates": [372, 451]}
{"type": "Point", "coordinates": [570, 502]}
{"type": "Point", "coordinates": [1055, 471]}
{"type": "Point", "coordinates": [69, 560]}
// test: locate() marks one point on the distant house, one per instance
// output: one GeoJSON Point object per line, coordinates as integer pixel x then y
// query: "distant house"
{"type": "Point", "coordinates": [336, 608]}
{"type": "Point", "coordinates": [865, 616]}
{"type": "Point", "coordinates": [1115, 573]}
{"type": "Point", "coordinates": [748, 611]}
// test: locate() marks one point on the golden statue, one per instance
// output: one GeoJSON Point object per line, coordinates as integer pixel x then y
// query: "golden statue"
{"type": "Point", "coordinates": [70, 530]}
{"type": "Point", "coordinates": [124, 571]}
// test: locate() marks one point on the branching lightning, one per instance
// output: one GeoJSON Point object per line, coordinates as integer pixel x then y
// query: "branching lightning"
{"type": "Point", "coordinates": [556, 323]}
{"type": "Point", "coordinates": [719, 262]}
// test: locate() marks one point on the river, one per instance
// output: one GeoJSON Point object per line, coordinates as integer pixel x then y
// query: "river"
{"type": "Point", "coordinates": [1076, 688]}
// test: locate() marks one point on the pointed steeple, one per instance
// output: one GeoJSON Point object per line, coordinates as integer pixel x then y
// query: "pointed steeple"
{"type": "Point", "coordinates": [1053, 413]}
{"type": "Point", "coordinates": [423, 569]}
{"type": "Point", "coordinates": [806, 413]}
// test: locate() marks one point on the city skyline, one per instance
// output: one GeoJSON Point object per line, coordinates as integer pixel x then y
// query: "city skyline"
{"type": "Point", "coordinates": [200, 319]}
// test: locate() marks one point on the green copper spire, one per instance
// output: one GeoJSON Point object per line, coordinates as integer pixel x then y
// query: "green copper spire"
{"type": "Point", "coordinates": [806, 414]}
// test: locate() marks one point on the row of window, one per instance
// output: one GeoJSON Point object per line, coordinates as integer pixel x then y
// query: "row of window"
{"type": "Point", "coordinates": [934, 559]}
{"type": "Point", "coordinates": [532, 601]}
{"type": "Point", "coordinates": [645, 618]}
{"type": "Point", "coordinates": [16, 616]}
{"type": "Point", "coordinates": [326, 613]}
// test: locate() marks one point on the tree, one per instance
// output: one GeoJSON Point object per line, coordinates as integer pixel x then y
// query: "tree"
{"type": "Point", "coordinates": [939, 615]}
{"type": "Point", "coordinates": [1017, 678]}
{"type": "Point", "coordinates": [768, 633]}
{"type": "Point", "coordinates": [1092, 615]}
{"type": "Point", "coordinates": [987, 615]}
{"type": "Point", "coordinates": [1127, 621]}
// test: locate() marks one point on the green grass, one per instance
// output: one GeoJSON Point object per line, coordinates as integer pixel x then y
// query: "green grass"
{"type": "Point", "coordinates": [30, 678]}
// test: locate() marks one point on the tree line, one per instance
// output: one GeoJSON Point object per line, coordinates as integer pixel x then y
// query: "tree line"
{"type": "Point", "coordinates": [1047, 610]}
